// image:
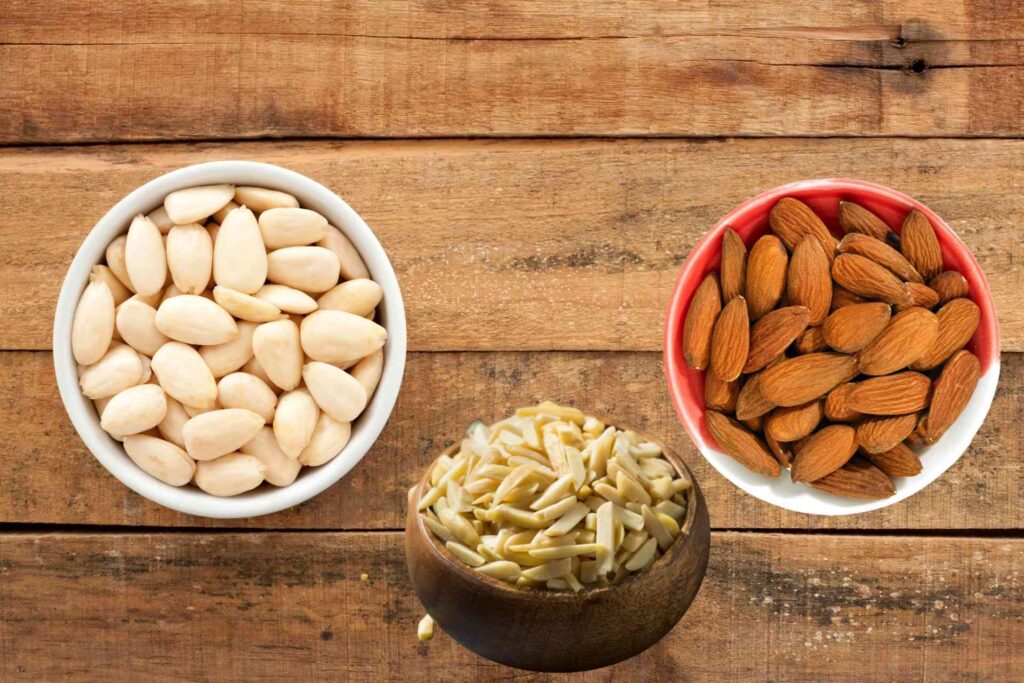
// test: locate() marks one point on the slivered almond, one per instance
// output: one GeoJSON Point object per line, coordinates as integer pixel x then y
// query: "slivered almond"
{"type": "Point", "coordinates": [919, 244]}
{"type": "Point", "coordinates": [899, 461]}
{"type": "Point", "coordinates": [730, 340]}
{"type": "Point", "coordinates": [879, 434]}
{"type": "Point", "coordinates": [793, 423]}
{"type": "Point", "coordinates": [920, 295]}
{"type": "Point", "coordinates": [863, 276]}
{"type": "Point", "coordinates": [734, 265]}
{"type": "Point", "coordinates": [798, 380]}
{"type": "Point", "coordinates": [957, 322]}
{"type": "Point", "coordinates": [791, 220]}
{"type": "Point", "coordinates": [720, 395]}
{"type": "Point", "coordinates": [953, 390]}
{"type": "Point", "coordinates": [949, 285]}
{"type": "Point", "coordinates": [853, 327]}
{"type": "Point", "coordinates": [857, 479]}
{"type": "Point", "coordinates": [898, 394]}
{"type": "Point", "coordinates": [770, 335]}
{"type": "Point", "coordinates": [766, 275]}
{"type": "Point", "coordinates": [741, 444]}
{"type": "Point", "coordinates": [836, 407]}
{"type": "Point", "coordinates": [823, 453]}
{"type": "Point", "coordinates": [882, 254]}
{"type": "Point", "coordinates": [812, 340]}
{"type": "Point", "coordinates": [809, 283]}
{"type": "Point", "coordinates": [700, 321]}
{"type": "Point", "coordinates": [854, 218]}
{"type": "Point", "coordinates": [906, 338]}
{"type": "Point", "coordinates": [750, 403]}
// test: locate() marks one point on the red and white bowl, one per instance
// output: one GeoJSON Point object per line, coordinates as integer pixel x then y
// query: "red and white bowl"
{"type": "Point", "coordinates": [750, 220]}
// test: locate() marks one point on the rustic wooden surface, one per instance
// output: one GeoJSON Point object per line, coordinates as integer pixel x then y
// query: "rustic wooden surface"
{"type": "Point", "coordinates": [537, 265]}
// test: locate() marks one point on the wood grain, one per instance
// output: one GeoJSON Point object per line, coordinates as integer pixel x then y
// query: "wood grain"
{"type": "Point", "coordinates": [158, 70]}
{"type": "Point", "coordinates": [495, 241]}
{"type": "Point", "coordinates": [50, 477]}
{"type": "Point", "coordinates": [276, 606]}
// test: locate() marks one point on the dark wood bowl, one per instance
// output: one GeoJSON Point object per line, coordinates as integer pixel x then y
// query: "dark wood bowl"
{"type": "Point", "coordinates": [545, 630]}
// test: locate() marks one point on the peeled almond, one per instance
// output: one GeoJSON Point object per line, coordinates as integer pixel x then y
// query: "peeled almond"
{"type": "Point", "coordinates": [117, 289]}
{"type": "Point", "coordinates": [195, 320]}
{"type": "Point", "coordinates": [220, 432]}
{"type": "Point", "coordinates": [310, 269]}
{"type": "Point", "coordinates": [136, 323]}
{"type": "Point", "coordinates": [144, 256]}
{"type": "Point", "coordinates": [220, 214]}
{"type": "Point", "coordinates": [281, 470]}
{"type": "Point", "coordinates": [196, 204]}
{"type": "Point", "coordinates": [93, 326]}
{"type": "Point", "coordinates": [223, 359]}
{"type": "Point", "coordinates": [287, 299]}
{"type": "Point", "coordinates": [336, 336]}
{"type": "Point", "coordinates": [278, 349]}
{"type": "Point", "coordinates": [254, 368]}
{"type": "Point", "coordinates": [115, 261]}
{"type": "Point", "coordinates": [329, 438]}
{"type": "Point", "coordinates": [160, 219]}
{"type": "Point", "coordinates": [368, 371]}
{"type": "Point", "coordinates": [192, 411]}
{"type": "Point", "coordinates": [291, 227]}
{"type": "Point", "coordinates": [230, 475]}
{"type": "Point", "coordinates": [261, 199]}
{"type": "Point", "coordinates": [119, 369]}
{"type": "Point", "coordinates": [294, 421]}
{"type": "Point", "coordinates": [160, 459]}
{"type": "Point", "coordinates": [184, 376]}
{"type": "Point", "coordinates": [338, 393]}
{"type": "Point", "coordinates": [134, 410]}
{"type": "Point", "coordinates": [358, 297]}
{"type": "Point", "coordinates": [190, 257]}
{"type": "Point", "coordinates": [174, 420]}
{"type": "Point", "coordinates": [352, 266]}
{"type": "Point", "coordinates": [147, 370]}
{"type": "Point", "coordinates": [239, 257]}
{"type": "Point", "coordinates": [245, 306]}
{"type": "Point", "coordinates": [242, 390]}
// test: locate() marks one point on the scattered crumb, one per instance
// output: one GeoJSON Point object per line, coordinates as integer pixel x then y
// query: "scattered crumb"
{"type": "Point", "coordinates": [425, 629]}
{"type": "Point", "coordinates": [364, 577]}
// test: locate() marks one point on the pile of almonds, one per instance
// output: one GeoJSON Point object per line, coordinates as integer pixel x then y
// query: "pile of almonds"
{"type": "Point", "coordinates": [205, 352]}
{"type": "Point", "coordinates": [833, 358]}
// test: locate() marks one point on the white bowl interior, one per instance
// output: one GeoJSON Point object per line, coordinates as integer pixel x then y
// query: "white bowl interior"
{"type": "Point", "coordinates": [366, 428]}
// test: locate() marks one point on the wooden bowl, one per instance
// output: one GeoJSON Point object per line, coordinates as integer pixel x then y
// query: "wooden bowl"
{"type": "Point", "coordinates": [545, 630]}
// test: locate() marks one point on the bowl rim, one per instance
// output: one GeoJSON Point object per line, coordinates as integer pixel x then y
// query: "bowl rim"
{"type": "Point", "coordinates": [265, 499]}
{"type": "Point", "coordinates": [819, 502]}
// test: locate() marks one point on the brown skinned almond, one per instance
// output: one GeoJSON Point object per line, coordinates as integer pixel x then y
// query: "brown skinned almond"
{"type": "Point", "coordinates": [857, 479]}
{"type": "Point", "coordinates": [770, 335]}
{"type": "Point", "coordinates": [898, 394]}
{"type": "Point", "coordinates": [730, 340]}
{"type": "Point", "coordinates": [783, 452]}
{"type": "Point", "coordinates": [754, 424]}
{"type": "Point", "coordinates": [836, 408]}
{"type": "Point", "coordinates": [851, 328]}
{"type": "Point", "coordinates": [792, 220]}
{"type": "Point", "coordinates": [766, 275]}
{"type": "Point", "coordinates": [805, 378]}
{"type": "Point", "coordinates": [733, 270]}
{"type": "Point", "coordinates": [700, 321]}
{"type": "Point", "coordinates": [739, 443]}
{"type": "Point", "coordinates": [899, 461]}
{"type": "Point", "coordinates": [957, 322]}
{"type": "Point", "coordinates": [919, 244]}
{"type": "Point", "coordinates": [904, 340]}
{"type": "Point", "coordinates": [854, 218]}
{"type": "Point", "coordinates": [811, 341]}
{"type": "Point", "coordinates": [809, 282]}
{"type": "Point", "coordinates": [920, 295]}
{"type": "Point", "coordinates": [949, 285]}
{"type": "Point", "coordinates": [879, 434]}
{"type": "Point", "coordinates": [825, 452]}
{"type": "Point", "coordinates": [720, 395]}
{"type": "Point", "coordinates": [863, 276]}
{"type": "Point", "coordinates": [793, 423]}
{"type": "Point", "coordinates": [953, 391]}
{"type": "Point", "coordinates": [842, 297]}
{"type": "Point", "coordinates": [882, 254]}
{"type": "Point", "coordinates": [751, 403]}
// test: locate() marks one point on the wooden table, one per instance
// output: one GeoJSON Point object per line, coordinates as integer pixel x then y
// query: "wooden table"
{"type": "Point", "coordinates": [538, 172]}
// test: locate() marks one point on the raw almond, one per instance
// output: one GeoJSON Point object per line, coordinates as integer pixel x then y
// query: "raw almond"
{"type": "Point", "coordinates": [288, 299]}
{"type": "Point", "coordinates": [770, 335]}
{"type": "Point", "coordinates": [919, 244]}
{"type": "Point", "coordinates": [882, 254]}
{"type": "Point", "coordinates": [358, 297]}
{"type": "Point", "coordinates": [242, 390]}
{"type": "Point", "coordinates": [857, 479]}
{"type": "Point", "coordinates": [336, 336]}
{"type": "Point", "coordinates": [906, 338]}
{"type": "Point", "coordinates": [245, 306]}
{"type": "Point", "coordinates": [953, 391]}
{"type": "Point", "coordinates": [93, 327]}
{"type": "Point", "coordinates": [734, 265]}
{"type": "Point", "coordinates": [223, 359]}
{"type": "Point", "coordinates": [920, 295]}
{"type": "Point", "coordinates": [798, 380]}
{"type": "Point", "coordinates": [809, 283]}
{"type": "Point", "coordinates": [160, 459]}
{"type": "Point", "coordinates": [957, 322]}
{"type": "Point", "coordinates": [184, 376]}
{"type": "Point", "coordinates": [195, 320]}
{"type": "Point", "coordinates": [879, 434]}
{"type": "Point", "coordinates": [853, 327]}
{"type": "Point", "coordinates": [369, 370]}
{"type": "Point", "coordinates": [854, 218]}
{"type": "Point", "coordinates": [134, 410]}
{"type": "Point", "coordinates": [309, 269]}
{"type": "Point", "coordinates": [898, 394]}
{"type": "Point", "coordinates": [730, 340]}
{"type": "Point", "coordinates": [352, 266]}
{"type": "Point", "coordinates": [700, 321]}
{"type": "Point", "coordinates": [329, 438]}
{"type": "Point", "coordinates": [826, 451]}
{"type": "Point", "coordinates": [741, 444]}
{"type": "Point", "coordinates": [750, 403]}
{"type": "Point", "coordinates": [261, 199]}
{"type": "Point", "coordinates": [219, 432]}
{"type": "Point", "coordinates": [863, 276]}
{"type": "Point", "coordinates": [291, 227]}
{"type": "Point", "coordinates": [719, 395]}
{"type": "Point", "coordinates": [336, 392]}
{"type": "Point", "coordinates": [841, 297]}
{"type": "Point", "coordinates": [196, 204]}
{"type": "Point", "coordinates": [230, 475]}
{"type": "Point", "coordinates": [117, 289]}
{"type": "Point", "coordinates": [294, 421]}
{"type": "Point", "coordinates": [281, 470]}
{"type": "Point", "coordinates": [118, 369]}
{"type": "Point", "coordinates": [793, 423]}
{"type": "Point", "coordinates": [190, 257]}
{"type": "Point", "coordinates": [948, 285]}
{"type": "Point", "coordinates": [754, 424]}
{"type": "Point", "coordinates": [136, 323]}
{"type": "Point", "coordinates": [898, 461]}
{"type": "Point", "coordinates": [278, 348]}
{"type": "Point", "coordinates": [144, 256]}
{"type": "Point", "coordinates": [792, 220]}
{"type": "Point", "coordinates": [239, 256]}
{"type": "Point", "coordinates": [836, 407]}
{"type": "Point", "coordinates": [766, 275]}
{"type": "Point", "coordinates": [812, 340]}
{"type": "Point", "coordinates": [783, 452]}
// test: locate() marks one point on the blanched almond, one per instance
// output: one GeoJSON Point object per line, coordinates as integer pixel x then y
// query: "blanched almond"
{"type": "Point", "coordinates": [134, 410]}
{"type": "Point", "coordinates": [184, 376]}
{"type": "Point", "coordinates": [115, 261]}
{"type": "Point", "coordinates": [93, 326]}
{"type": "Point", "coordinates": [358, 297]}
{"type": "Point", "coordinates": [144, 256]}
{"type": "Point", "coordinates": [336, 336]}
{"type": "Point", "coordinates": [117, 289]}
{"type": "Point", "coordinates": [291, 227]}
{"type": "Point", "coordinates": [190, 257]}
{"type": "Point", "coordinates": [196, 204]}
{"type": "Point", "coordinates": [242, 390]}
{"type": "Point", "coordinates": [118, 369]}
{"type": "Point", "coordinates": [239, 257]}
{"type": "Point", "coordinates": [261, 199]}
{"type": "Point", "coordinates": [220, 214]}
{"type": "Point", "coordinates": [287, 299]}
{"type": "Point", "coordinates": [160, 459]}
{"type": "Point", "coordinates": [278, 349]}
{"type": "Point", "coordinates": [329, 438]}
{"type": "Point", "coordinates": [230, 475]}
{"type": "Point", "coordinates": [160, 219]}
{"type": "Point", "coordinates": [174, 420]}
{"type": "Point", "coordinates": [195, 320]}
{"type": "Point", "coordinates": [223, 359]}
{"type": "Point", "coordinates": [136, 323]}
{"type": "Point", "coordinates": [281, 470]}
{"type": "Point", "coordinates": [245, 306]}
{"type": "Point", "coordinates": [310, 269]}
{"type": "Point", "coordinates": [368, 371]}
{"type": "Point", "coordinates": [338, 393]}
{"type": "Point", "coordinates": [219, 432]}
{"type": "Point", "coordinates": [294, 421]}
{"type": "Point", "coordinates": [352, 266]}
{"type": "Point", "coordinates": [254, 368]}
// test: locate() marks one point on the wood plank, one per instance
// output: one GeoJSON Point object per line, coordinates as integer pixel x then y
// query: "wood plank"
{"type": "Point", "coordinates": [493, 240]}
{"type": "Point", "coordinates": [255, 69]}
{"type": "Point", "coordinates": [273, 606]}
{"type": "Point", "coordinates": [50, 477]}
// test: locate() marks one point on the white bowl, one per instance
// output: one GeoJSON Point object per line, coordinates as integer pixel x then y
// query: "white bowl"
{"type": "Point", "coordinates": [365, 430]}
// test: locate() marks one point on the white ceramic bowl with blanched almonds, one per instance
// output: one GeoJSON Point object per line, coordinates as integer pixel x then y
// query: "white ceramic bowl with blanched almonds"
{"type": "Point", "coordinates": [365, 430]}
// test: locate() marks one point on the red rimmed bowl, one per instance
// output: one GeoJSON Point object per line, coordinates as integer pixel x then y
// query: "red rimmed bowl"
{"type": "Point", "coordinates": [750, 220]}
